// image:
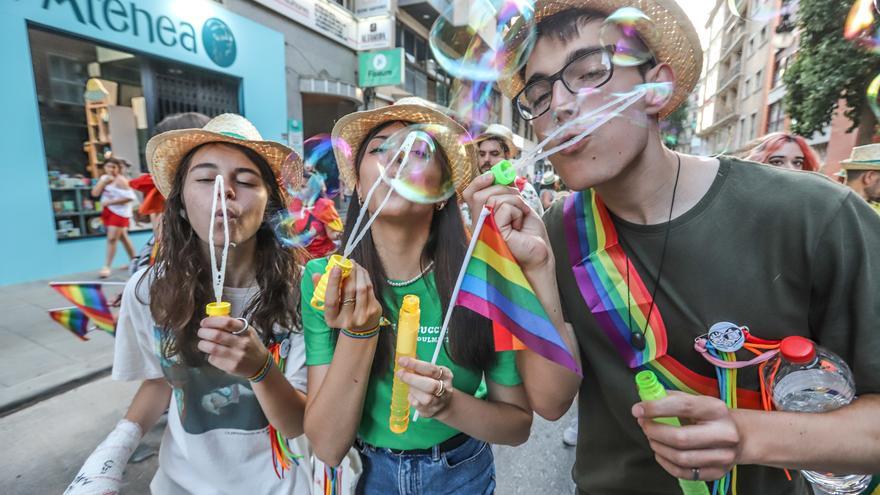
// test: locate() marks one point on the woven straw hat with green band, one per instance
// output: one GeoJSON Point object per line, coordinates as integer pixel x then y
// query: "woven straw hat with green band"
{"type": "Point", "coordinates": [165, 151]}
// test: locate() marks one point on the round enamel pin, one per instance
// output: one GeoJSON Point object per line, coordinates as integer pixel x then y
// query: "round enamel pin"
{"type": "Point", "coordinates": [726, 337]}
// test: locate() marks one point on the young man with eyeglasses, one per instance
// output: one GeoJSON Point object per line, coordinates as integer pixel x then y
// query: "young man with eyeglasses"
{"type": "Point", "coordinates": [683, 242]}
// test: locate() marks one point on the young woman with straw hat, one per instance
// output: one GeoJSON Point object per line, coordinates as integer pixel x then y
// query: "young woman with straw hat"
{"type": "Point", "coordinates": [655, 248]}
{"type": "Point", "coordinates": [215, 375]}
{"type": "Point", "coordinates": [411, 249]}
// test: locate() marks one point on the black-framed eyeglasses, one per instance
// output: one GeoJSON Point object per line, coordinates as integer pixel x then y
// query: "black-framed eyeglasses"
{"type": "Point", "coordinates": [589, 70]}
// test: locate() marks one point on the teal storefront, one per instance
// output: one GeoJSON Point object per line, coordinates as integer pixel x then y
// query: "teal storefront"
{"type": "Point", "coordinates": [154, 58]}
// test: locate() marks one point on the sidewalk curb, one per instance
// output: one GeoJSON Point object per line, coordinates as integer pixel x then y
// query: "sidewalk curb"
{"type": "Point", "coordinates": [41, 394]}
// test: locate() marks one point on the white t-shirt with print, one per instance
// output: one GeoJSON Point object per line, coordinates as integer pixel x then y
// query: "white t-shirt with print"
{"type": "Point", "coordinates": [217, 439]}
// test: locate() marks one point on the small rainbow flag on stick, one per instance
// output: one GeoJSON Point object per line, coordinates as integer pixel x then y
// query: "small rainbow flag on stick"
{"type": "Point", "coordinates": [492, 284]}
{"type": "Point", "coordinates": [72, 319]}
{"type": "Point", "coordinates": [88, 297]}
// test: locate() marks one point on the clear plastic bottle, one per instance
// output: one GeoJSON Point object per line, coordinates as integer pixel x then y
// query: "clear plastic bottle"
{"type": "Point", "coordinates": [814, 380]}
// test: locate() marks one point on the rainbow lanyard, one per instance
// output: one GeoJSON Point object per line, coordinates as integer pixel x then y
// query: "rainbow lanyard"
{"type": "Point", "coordinates": [282, 458]}
{"type": "Point", "coordinates": [621, 309]}
{"type": "Point", "coordinates": [719, 347]}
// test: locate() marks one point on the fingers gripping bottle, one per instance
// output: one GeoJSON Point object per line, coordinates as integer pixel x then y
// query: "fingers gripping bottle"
{"type": "Point", "coordinates": [651, 389]}
{"type": "Point", "coordinates": [809, 379]}
{"type": "Point", "coordinates": [407, 340]}
{"type": "Point", "coordinates": [344, 264]}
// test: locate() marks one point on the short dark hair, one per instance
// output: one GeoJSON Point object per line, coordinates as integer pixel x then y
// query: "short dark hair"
{"type": "Point", "coordinates": [185, 120]}
{"type": "Point", "coordinates": [852, 175]}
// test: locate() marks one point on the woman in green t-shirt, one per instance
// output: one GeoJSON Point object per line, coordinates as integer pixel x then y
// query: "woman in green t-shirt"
{"type": "Point", "coordinates": [411, 248]}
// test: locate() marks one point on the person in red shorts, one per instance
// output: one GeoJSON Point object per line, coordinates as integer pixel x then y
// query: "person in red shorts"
{"type": "Point", "coordinates": [117, 197]}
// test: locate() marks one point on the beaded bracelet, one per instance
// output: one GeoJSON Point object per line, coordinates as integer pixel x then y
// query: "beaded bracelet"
{"type": "Point", "coordinates": [263, 372]}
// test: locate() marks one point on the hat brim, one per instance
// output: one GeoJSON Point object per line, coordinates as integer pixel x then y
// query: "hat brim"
{"type": "Point", "coordinates": [165, 152]}
{"type": "Point", "coordinates": [353, 128]}
{"type": "Point", "coordinates": [860, 165]}
{"type": "Point", "coordinates": [672, 41]}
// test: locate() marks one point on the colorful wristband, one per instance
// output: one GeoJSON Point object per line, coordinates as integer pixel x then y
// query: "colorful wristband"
{"type": "Point", "coordinates": [263, 372]}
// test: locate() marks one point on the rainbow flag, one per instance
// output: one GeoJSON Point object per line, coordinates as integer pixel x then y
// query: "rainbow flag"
{"type": "Point", "coordinates": [72, 319]}
{"type": "Point", "coordinates": [494, 286]}
{"type": "Point", "coordinates": [89, 298]}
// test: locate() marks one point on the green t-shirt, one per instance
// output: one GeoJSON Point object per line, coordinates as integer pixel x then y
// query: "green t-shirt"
{"type": "Point", "coordinates": [783, 252]}
{"type": "Point", "coordinates": [424, 433]}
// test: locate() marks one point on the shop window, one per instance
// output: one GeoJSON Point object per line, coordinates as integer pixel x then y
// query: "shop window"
{"type": "Point", "coordinates": [79, 133]}
{"type": "Point", "coordinates": [66, 79]}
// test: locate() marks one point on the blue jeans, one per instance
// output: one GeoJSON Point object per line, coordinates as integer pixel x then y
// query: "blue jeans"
{"type": "Point", "coordinates": [468, 469]}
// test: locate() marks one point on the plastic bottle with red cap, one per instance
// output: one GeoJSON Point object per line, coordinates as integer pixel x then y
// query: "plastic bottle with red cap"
{"type": "Point", "coordinates": [811, 379]}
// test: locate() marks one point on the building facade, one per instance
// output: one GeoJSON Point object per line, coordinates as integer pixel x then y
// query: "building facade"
{"type": "Point", "coordinates": [743, 87]}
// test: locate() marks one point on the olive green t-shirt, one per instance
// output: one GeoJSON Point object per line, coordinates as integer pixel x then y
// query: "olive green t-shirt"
{"type": "Point", "coordinates": [424, 433]}
{"type": "Point", "coordinates": [782, 252]}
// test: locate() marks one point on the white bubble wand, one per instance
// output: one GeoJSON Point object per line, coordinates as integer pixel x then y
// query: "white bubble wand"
{"type": "Point", "coordinates": [601, 116]}
{"type": "Point", "coordinates": [218, 274]}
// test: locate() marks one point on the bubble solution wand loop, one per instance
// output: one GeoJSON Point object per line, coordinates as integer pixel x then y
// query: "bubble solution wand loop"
{"type": "Point", "coordinates": [618, 104]}
{"type": "Point", "coordinates": [651, 389]}
{"type": "Point", "coordinates": [218, 274]}
{"type": "Point", "coordinates": [407, 341]}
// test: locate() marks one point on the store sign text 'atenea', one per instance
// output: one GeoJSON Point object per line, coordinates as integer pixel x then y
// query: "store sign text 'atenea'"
{"type": "Point", "coordinates": [123, 17]}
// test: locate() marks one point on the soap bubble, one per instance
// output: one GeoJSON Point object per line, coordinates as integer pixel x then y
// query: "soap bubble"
{"type": "Point", "coordinates": [484, 40]}
{"type": "Point", "coordinates": [411, 164]}
{"type": "Point", "coordinates": [624, 30]}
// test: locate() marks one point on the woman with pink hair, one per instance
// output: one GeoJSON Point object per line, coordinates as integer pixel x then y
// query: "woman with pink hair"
{"type": "Point", "coordinates": [785, 150]}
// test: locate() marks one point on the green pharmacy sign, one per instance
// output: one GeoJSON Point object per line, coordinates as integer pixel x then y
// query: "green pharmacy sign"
{"type": "Point", "coordinates": [381, 68]}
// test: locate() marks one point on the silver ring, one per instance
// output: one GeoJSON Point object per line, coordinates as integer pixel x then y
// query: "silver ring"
{"type": "Point", "coordinates": [439, 373]}
{"type": "Point", "coordinates": [695, 474]}
{"type": "Point", "coordinates": [244, 328]}
{"type": "Point", "coordinates": [442, 389]}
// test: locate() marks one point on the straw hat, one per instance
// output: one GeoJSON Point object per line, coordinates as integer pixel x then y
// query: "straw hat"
{"type": "Point", "coordinates": [548, 179]}
{"type": "Point", "coordinates": [354, 128]}
{"type": "Point", "coordinates": [865, 157]}
{"type": "Point", "coordinates": [500, 132]}
{"type": "Point", "coordinates": [165, 151]}
{"type": "Point", "coordinates": [673, 40]}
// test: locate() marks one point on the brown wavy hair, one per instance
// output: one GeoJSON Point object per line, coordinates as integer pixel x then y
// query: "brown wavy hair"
{"type": "Point", "coordinates": [181, 277]}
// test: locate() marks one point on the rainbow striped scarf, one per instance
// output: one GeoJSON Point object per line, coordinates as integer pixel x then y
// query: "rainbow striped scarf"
{"type": "Point", "coordinates": [600, 265]}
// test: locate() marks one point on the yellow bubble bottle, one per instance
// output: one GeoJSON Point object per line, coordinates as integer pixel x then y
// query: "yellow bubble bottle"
{"type": "Point", "coordinates": [218, 309]}
{"type": "Point", "coordinates": [344, 264]}
{"type": "Point", "coordinates": [407, 341]}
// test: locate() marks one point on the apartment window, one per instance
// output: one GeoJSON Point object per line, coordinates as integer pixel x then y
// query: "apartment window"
{"type": "Point", "coordinates": [776, 117]}
{"type": "Point", "coordinates": [748, 88]}
{"type": "Point", "coordinates": [414, 45]}
{"type": "Point", "coordinates": [780, 65]}
{"type": "Point", "coordinates": [754, 126]}
{"type": "Point", "coordinates": [763, 34]}
{"type": "Point", "coordinates": [759, 81]}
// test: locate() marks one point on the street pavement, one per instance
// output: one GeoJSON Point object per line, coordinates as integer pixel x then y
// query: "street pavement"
{"type": "Point", "coordinates": [47, 443]}
{"type": "Point", "coordinates": [39, 357]}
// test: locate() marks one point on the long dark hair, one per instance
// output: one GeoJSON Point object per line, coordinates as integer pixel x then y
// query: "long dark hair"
{"type": "Point", "coordinates": [470, 335]}
{"type": "Point", "coordinates": [181, 278]}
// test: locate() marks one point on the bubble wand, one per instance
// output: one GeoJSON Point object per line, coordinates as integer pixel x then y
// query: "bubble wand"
{"type": "Point", "coordinates": [218, 274]}
{"type": "Point", "coordinates": [358, 232]}
{"type": "Point", "coordinates": [622, 102]}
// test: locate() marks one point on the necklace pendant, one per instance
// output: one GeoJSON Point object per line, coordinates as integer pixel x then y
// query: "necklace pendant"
{"type": "Point", "coordinates": [637, 340]}
{"type": "Point", "coordinates": [726, 337]}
